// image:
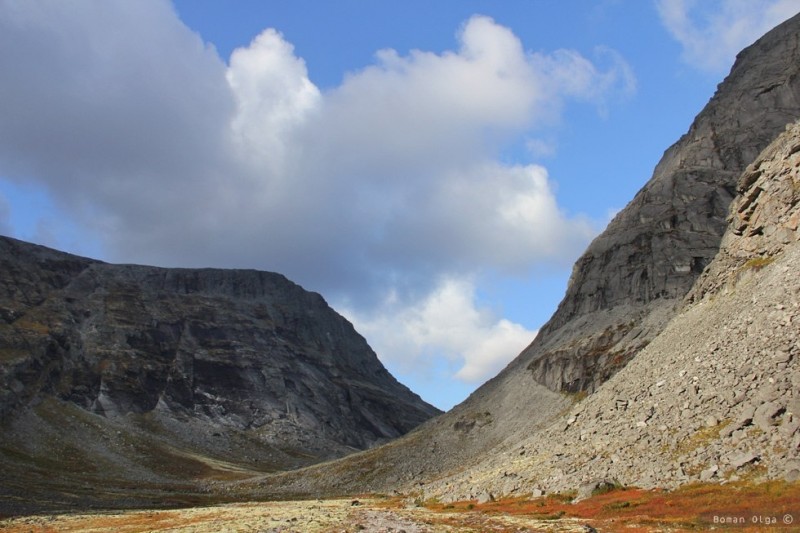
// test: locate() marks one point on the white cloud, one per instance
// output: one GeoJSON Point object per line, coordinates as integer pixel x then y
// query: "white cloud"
{"type": "Point", "coordinates": [273, 96]}
{"type": "Point", "coordinates": [541, 148]}
{"type": "Point", "coordinates": [384, 183]}
{"type": "Point", "coordinates": [446, 323]}
{"type": "Point", "coordinates": [712, 32]}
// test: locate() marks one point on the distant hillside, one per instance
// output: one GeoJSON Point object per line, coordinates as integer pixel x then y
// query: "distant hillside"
{"type": "Point", "coordinates": [120, 374]}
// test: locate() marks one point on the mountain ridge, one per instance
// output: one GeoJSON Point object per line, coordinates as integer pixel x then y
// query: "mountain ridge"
{"type": "Point", "coordinates": [170, 356]}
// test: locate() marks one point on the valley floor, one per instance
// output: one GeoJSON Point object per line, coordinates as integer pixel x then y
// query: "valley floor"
{"type": "Point", "coordinates": [762, 507]}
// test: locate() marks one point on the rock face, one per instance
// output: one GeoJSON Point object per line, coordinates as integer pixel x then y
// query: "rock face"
{"type": "Point", "coordinates": [627, 284]}
{"type": "Point", "coordinates": [244, 366]}
{"type": "Point", "coordinates": [764, 217]}
{"type": "Point", "coordinates": [623, 292]}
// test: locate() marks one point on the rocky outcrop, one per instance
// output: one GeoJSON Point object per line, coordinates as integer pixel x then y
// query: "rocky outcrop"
{"type": "Point", "coordinates": [628, 283]}
{"type": "Point", "coordinates": [241, 366]}
{"type": "Point", "coordinates": [764, 218]}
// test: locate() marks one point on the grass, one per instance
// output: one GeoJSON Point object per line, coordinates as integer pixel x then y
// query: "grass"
{"type": "Point", "coordinates": [757, 263]}
{"type": "Point", "coordinates": [700, 438]}
{"type": "Point", "coordinates": [577, 396]}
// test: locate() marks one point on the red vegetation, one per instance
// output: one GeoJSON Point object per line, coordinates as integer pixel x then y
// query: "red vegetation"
{"type": "Point", "coordinates": [743, 506]}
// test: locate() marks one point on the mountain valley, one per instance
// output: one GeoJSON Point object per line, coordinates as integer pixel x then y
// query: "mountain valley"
{"type": "Point", "coordinates": [671, 367]}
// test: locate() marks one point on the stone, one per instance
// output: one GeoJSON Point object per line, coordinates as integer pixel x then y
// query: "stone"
{"type": "Point", "coordinates": [709, 473]}
{"type": "Point", "coordinates": [768, 394]}
{"type": "Point", "coordinates": [792, 475]}
{"type": "Point", "coordinates": [793, 407]}
{"type": "Point", "coordinates": [789, 427]}
{"type": "Point", "coordinates": [741, 459]}
{"type": "Point", "coordinates": [537, 493]}
{"type": "Point", "coordinates": [782, 356]}
{"type": "Point", "coordinates": [587, 490]}
{"type": "Point", "coordinates": [765, 416]}
{"type": "Point", "coordinates": [745, 416]}
{"type": "Point", "coordinates": [485, 497]}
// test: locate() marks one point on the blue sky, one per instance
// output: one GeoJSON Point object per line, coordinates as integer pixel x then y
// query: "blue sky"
{"type": "Point", "coordinates": [433, 169]}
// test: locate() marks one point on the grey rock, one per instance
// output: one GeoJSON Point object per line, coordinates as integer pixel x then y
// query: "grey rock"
{"type": "Point", "coordinates": [485, 497]}
{"type": "Point", "coordinates": [793, 407]}
{"type": "Point", "coordinates": [768, 394]}
{"type": "Point", "coordinates": [792, 475]}
{"type": "Point", "coordinates": [766, 415]}
{"type": "Point", "coordinates": [709, 473]}
{"type": "Point", "coordinates": [789, 427]}
{"type": "Point", "coordinates": [746, 416]}
{"type": "Point", "coordinates": [587, 490]}
{"type": "Point", "coordinates": [739, 460]}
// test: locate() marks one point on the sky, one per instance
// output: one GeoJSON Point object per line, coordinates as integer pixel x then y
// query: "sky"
{"type": "Point", "coordinates": [433, 169]}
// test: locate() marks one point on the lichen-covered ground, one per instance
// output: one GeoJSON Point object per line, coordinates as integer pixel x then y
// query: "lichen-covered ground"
{"type": "Point", "coordinates": [762, 507]}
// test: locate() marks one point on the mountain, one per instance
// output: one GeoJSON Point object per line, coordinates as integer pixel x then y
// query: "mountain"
{"type": "Point", "coordinates": [120, 374]}
{"type": "Point", "coordinates": [714, 396]}
{"type": "Point", "coordinates": [630, 280]}
{"type": "Point", "coordinates": [623, 292]}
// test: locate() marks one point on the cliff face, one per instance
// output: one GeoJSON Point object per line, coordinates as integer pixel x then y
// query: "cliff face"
{"type": "Point", "coordinates": [244, 366]}
{"type": "Point", "coordinates": [763, 220]}
{"type": "Point", "coordinates": [627, 284]}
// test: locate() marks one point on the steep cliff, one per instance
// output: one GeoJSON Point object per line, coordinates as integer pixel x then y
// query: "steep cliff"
{"type": "Point", "coordinates": [238, 366]}
{"type": "Point", "coordinates": [627, 284]}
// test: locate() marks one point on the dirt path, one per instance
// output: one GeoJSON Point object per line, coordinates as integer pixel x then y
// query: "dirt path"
{"type": "Point", "coordinates": [327, 516]}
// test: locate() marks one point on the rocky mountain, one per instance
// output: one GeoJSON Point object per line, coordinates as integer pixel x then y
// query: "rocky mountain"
{"type": "Point", "coordinates": [624, 291]}
{"type": "Point", "coordinates": [715, 396]}
{"type": "Point", "coordinates": [166, 375]}
{"type": "Point", "coordinates": [630, 280]}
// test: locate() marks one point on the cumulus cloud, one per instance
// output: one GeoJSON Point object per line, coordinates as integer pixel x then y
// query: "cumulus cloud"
{"type": "Point", "coordinates": [712, 32]}
{"type": "Point", "coordinates": [115, 108]}
{"type": "Point", "coordinates": [273, 95]}
{"type": "Point", "coordinates": [447, 322]}
{"type": "Point", "coordinates": [383, 184]}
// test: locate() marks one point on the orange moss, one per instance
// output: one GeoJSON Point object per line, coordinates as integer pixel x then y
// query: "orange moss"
{"type": "Point", "coordinates": [633, 509]}
{"type": "Point", "coordinates": [134, 521]}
